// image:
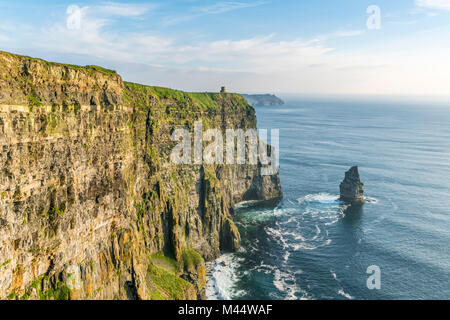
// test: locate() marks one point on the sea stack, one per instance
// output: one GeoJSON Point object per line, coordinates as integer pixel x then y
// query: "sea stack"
{"type": "Point", "coordinates": [352, 188]}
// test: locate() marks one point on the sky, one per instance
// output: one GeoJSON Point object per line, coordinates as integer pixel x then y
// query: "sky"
{"type": "Point", "coordinates": [376, 47]}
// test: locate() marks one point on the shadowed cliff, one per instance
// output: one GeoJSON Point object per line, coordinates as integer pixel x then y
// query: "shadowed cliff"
{"type": "Point", "coordinates": [91, 206]}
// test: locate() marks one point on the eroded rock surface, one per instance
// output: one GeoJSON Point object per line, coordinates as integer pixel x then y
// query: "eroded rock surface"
{"type": "Point", "coordinates": [352, 188]}
{"type": "Point", "coordinates": [91, 206]}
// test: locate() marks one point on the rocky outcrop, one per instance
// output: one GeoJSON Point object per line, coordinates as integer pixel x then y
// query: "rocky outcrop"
{"type": "Point", "coordinates": [91, 207]}
{"type": "Point", "coordinates": [352, 189]}
{"type": "Point", "coordinates": [263, 100]}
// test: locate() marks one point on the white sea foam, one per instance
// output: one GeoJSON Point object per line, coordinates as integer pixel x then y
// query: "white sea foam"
{"type": "Point", "coordinates": [331, 222]}
{"type": "Point", "coordinates": [287, 284]}
{"type": "Point", "coordinates": [306, 228]}
{"type": "Point", "coordinates": [317, 233]}
{"type": "Point", "coordinates": [327, 198]}
{"type": "Point", "coordinates": [296, 226]}
{"type": "Point", "coordinates": [222, 278]}
{"type": "Point", "coordinates": [280, 211]}
{"type": "Point", "coordinates": [371, 200]}
{"type": "Point", "coordinates": [324, 198]}
{"type": "Point", "coordinates": [334, 274]}
{"type": "Point", "coordinates": [245, 204]}
{"type": "Point", "coordinates": [341, 290]}
{"type": "Point", "coordinates": [287, 254]}
{"type": "Point", "coordinates": [264, 268]}
{"type": "Point", "coordinates": [308, 246]}
{"type": "Point", "coordinates": [344, 294]}
{"type": "Point", "coordinates": [278, 235]}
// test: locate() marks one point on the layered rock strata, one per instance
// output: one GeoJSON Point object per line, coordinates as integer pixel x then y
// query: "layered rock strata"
{"type": "Point", "coordinates": [91, 207]}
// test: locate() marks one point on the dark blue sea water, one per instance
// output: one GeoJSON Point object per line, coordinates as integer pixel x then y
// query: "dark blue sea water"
{"type": "Point", "coordinates": [308, 247]}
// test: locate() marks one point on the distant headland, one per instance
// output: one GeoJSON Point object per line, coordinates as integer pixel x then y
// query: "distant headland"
{"type": "Point", "coordinates": [263, 100]}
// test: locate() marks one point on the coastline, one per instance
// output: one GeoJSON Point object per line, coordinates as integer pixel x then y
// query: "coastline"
{"type": "Point", "coordinates": [91, 194]}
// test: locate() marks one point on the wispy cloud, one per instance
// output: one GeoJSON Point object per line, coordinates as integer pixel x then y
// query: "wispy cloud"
{"type": "Point", "coordinates": [99, 15]}
{"type": "Point", "coordinates": [217, 8]}
{"type": "Point", "coordinates": [262, 62]}
{"type": "Point", "coordinates": [434, 4]}
{"type": "Point", "coordinates": [222, 7]}
{"type": "Point", "coordinates": [123, 9]}
{"type": "Point", "coordinates": [340, 34]}
{"type": "Point", "coordinates": [258, 54]}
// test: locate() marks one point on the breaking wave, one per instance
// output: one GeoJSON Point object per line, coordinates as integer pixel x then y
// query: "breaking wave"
{"type": "Point", "coordinates": [222, 277]}
{"type": "Point", "coordinates": [294, 226]}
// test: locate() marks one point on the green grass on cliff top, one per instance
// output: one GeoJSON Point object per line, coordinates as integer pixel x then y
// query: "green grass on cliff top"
{"type": "Point", "coordinates": [88, 68]}
{"type": "Point", "coordinates": [137, 93]}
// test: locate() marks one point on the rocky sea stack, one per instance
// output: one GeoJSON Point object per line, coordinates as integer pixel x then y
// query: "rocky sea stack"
{"type": "Point", "coordinates": [352, 188]}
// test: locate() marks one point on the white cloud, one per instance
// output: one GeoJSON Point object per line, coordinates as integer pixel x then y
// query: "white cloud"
{"type": "Point", "coordinates": [222, 7]}
{"type": "Point", "coordinates": [124, 9]}
{"type": "Point", "coordinates": [258, 64]}
{"type": "Point", "coordinates": [340, 34]}
{"type": "Point", "coordinates": [257, 54]}
{"type": "Point", "coordinates": [434, 4]}
{"type": "Point", "coordinates": [217, 8]}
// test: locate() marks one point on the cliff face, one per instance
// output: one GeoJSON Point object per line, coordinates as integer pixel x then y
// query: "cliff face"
{"type": "Point", "coordinates": [263, 100]}
{"type": "Point", "coordinates": [91, 206]}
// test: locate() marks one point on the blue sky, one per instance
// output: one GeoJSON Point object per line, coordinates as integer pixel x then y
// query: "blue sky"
{"type": "Point", "coordinates": [283, 46]}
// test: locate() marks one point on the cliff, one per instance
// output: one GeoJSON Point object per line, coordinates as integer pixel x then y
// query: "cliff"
{"type": "Point", "coordinates": [91, 207]}
{"type": "Point", "coordinates": [263, 100]}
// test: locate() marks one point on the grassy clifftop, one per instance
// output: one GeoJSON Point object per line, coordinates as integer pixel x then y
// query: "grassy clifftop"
{"type": "Point", "coordinates": [89, 69]}
{"type": "Point", "coordinates": [33, 81]}
{"type": "Point", "coordinates": [138, 95]}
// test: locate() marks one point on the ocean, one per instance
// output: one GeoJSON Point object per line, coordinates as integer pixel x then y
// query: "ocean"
{"type": "Point", "coordinates": [309, 247]}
